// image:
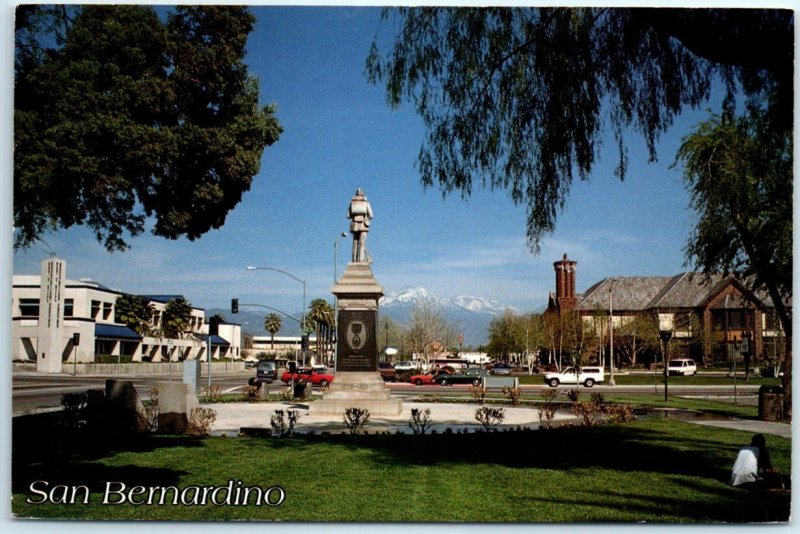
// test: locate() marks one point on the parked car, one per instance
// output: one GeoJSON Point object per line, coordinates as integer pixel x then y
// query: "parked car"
{"type": "Point", "coordinates": [387, 371]}
{"type": "Point", "coordinates": [267, 371]}
{"type": "Point", "coordinates": [405, 366]}
{"type": "Point", "coordinates": [250, 363]}
{"type": "Point", "coordinates": [309, 375]}
{"type": "Point", "coordinates": [426, 379]}
{"type": "Point", "coordinates": [682, 367]}
{"type": "Point", "coordinates": [501, 369]}
{"type": "Point", "coordinates": [588, 376]}
{"type": "Point", "coordinates": [470, 376]}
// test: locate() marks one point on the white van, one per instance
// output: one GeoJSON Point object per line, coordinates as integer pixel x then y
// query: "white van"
{"type": "Point", "coordinates": [588, 376]}
{"type": "Point", "coordinates": [682, 367]}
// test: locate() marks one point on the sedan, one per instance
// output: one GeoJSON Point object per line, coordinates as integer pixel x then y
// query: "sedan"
{"type": "Point", "coordinates": [309, 375]}
{"type": "Point", "coordinates": [426, 379]}
{"type": "Point", "coordinates": [470, 376]}
{"type": "Point", "coordinates": [501, 369]}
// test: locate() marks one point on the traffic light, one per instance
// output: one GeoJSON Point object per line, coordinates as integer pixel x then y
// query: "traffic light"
{"type": "Point", "coordinates": [304, 342]}
{"type": "Point", "coordinates": [76, 339]}
{"type": "Point", "coordinates": [234, 305]}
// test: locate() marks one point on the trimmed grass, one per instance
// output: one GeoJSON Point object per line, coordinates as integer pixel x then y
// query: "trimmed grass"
{"type": "Point", "coordinates": [650, 379]}
{"type": "Point", "coordinates": [652, 470]}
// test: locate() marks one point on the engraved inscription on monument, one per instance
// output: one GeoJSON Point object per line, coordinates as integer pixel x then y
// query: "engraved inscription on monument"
{"type": "Point", "coordinates": [357, 348]}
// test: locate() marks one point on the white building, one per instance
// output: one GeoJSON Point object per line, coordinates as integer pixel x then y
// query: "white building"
{"type": "Point", "coordinates": [64, 320]}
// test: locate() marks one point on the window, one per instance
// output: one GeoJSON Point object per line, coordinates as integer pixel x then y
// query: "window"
{"type": "Point", "coordinates": [69, 307]}
{"type": "Point", "coordinates": [107, 310]}
{"type": "Point", "coordinates": [29, 307]}
{"type": "Point", "coordinates": [95, 308]}
{"type": "Point", "coordinates": [737, 319]}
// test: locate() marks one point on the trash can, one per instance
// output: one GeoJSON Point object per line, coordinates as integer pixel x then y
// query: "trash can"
{"type": "Point", "coordinates": [300, 389]}
{"type": "Point", "coordinates": [770, 403]}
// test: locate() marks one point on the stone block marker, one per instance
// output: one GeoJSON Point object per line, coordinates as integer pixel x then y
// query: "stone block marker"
{"type": "Point", "coordinates": [175, 404]}
{"type": "Point", "coordinates": [124, 403]}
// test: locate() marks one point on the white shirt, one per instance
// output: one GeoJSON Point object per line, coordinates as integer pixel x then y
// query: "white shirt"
{"type": "Point", "coordinates": [745, 468]}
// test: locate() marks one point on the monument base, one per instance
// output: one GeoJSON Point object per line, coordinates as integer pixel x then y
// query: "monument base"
{"type": "Point", "coordinates": [365, 390]}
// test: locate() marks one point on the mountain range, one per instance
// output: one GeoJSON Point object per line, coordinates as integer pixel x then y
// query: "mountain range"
{"type": "Point", "coordinates": [469, 314]}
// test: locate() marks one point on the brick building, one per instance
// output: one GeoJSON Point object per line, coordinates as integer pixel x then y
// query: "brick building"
{"type": "Point", "coordinates": [688, 303]}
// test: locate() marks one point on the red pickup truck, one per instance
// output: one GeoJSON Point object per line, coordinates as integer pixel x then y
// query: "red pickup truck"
{"type": "Point", "coordinates": [309, 375]}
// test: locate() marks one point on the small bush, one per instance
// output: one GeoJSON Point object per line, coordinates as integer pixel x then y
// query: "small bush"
{"type": "Point", "coordinates": [512, 394]}
{"type": "Point", "coordinates": [597, 398]}
{"type": "Point", "coordinates": [251, 393]}
{"type": "Point", "coordinates": [420, 420]}
{"type": "Point", "coordinates": [589, 412]}
{"type": "Point", "coordinates": [283, 423]}
{"type": "Point", "coordinates": [573, 395]}
{"type": "Point", "coordinates": [547, 410]}
{"type": "Point", "coordinates": [200, 421]}
{"type": "Point", "coordinates": [287, 394]}
{"type": "Point", "coordinates": [212, 393]}
{"type": "Point", "coordinates": [355, 420]}
{"type": "Point", "coordinates": [619, 413]}
{"type": "Point", "coordinates": [478, 393]}
{"type": "Point", "coordinates": [490, 418]}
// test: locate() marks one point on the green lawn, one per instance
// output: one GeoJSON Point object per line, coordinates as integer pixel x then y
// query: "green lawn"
{"type": "Point", "coordinates": [652, 378]}
{"type": "Point", "coordinates": [652, 470]}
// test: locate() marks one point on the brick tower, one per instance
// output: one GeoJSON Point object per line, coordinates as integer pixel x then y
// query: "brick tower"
{"type": "Point", "coordinates": [565, 284]}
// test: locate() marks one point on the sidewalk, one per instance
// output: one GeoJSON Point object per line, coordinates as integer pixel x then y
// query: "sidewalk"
{"type": "Point", "coordinates": [231, 417]}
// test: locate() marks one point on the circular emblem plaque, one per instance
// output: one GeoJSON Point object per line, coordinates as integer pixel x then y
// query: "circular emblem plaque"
{"type": "Point", "coordinates": [356, 335]}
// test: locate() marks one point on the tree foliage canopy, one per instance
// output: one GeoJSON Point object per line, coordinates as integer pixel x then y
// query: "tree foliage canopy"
{"type": "Point", "coordinates": [519, 98]}
{"type": "Point", "coordinates": [120, 116]}
{"type": "Point", "coordinates": [135, 312]}
{"type": "Point", "coordinates": [739, 173]}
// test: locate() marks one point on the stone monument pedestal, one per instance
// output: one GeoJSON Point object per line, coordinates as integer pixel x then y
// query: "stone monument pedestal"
{"type": "Point", "coordinates": [357, 382]}
{"type": "Point", "coordinates": [357, 390]}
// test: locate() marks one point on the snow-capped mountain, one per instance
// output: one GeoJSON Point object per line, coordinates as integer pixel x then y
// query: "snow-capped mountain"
{"type": "Point", "coordinates": [471, 315]}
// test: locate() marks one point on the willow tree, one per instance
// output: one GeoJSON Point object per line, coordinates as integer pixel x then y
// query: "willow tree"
{"type": "Point", "coordinates": [739, 173]}
{"type": "Point", "coordinates": [120, 117]}
{"type": "Point", "coordinates": [521, 98]}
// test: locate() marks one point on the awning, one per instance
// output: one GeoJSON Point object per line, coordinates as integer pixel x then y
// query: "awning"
{"type": "Point", "coordinates": [115, 332]}
{"type": "Point", "coordinates": [215, 340]}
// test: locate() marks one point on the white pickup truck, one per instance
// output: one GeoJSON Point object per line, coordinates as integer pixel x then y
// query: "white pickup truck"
{"type": "Point", "coordinates": [588, 376]}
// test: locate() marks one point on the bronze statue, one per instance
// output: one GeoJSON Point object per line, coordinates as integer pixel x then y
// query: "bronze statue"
{"type": "Point", "coordinates": [359, 213]}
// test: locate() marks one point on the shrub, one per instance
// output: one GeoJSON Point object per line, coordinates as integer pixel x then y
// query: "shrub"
{"type": "Point", "coordinates": [512, 394]}
{"type": "Point", "coordinates": [287, 394]}
{"type": "Point", "coordinates": [619, 413]}
{"type": "Point", "coordinates": [597, 398]}
{"type": "Point", "coordinates": [573, 395]}
{"type": "Point", "coordinates": [588, 412]}
{"type": "Point", "coordinates": [547, 410]}
{"type": "Point", "coordinates": [420, 420]}
{"type": "Point", "coordinates": [355, 420]}
{"type": "Point", "coordinates": [200, 421]}
{"type": "Point", "coordinates": [405, 376]}
{"type": "Point", "coordinates": [212, 393]}
{"type": "Point", "coordinates": [283, 423]}
{"type": "Point", "coordinates": [490, 417]}
{"type": "Point", "coordinates": [478, 393]}
{"type": "Point", "coordinates": [251, 393]}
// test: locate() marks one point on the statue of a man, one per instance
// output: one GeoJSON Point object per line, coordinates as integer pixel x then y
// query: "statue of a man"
{"type": "Point", "coordinates": [359, 213]}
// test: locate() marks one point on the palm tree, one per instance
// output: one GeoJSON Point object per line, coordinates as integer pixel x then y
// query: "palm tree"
{"type": "Point", "coordinates": [320, 314]}
{"type": "Point", "coordinates": [272, 324]}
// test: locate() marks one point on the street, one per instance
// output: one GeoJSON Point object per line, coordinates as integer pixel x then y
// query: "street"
{"type": "Point", "coordinates": [34, 392]}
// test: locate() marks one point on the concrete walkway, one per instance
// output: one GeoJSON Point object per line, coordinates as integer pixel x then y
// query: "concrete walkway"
{"type": "Point", "coordinates": [756, 427]}
{"type": "Point", "coordinates": [231, 417]}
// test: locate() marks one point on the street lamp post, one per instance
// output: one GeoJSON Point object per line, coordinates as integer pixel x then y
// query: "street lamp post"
{"type": "Point", "coordinates": [736, 347]}
{"type": "Point", "coordinates": [611, 381]}
{"type": "Point", "coordinates": [290, 275]}
{"type": "Point", "coordinates": [336, 300]}
{"type": "Point", "coordinates": [665, 336]}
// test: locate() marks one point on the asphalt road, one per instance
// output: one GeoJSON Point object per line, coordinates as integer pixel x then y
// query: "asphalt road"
{"type": "Point", "coordinates": [34, 392]}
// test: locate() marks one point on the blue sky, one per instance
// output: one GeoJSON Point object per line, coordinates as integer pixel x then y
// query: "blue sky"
{"type": "Point", "coordinates": [339, 134]}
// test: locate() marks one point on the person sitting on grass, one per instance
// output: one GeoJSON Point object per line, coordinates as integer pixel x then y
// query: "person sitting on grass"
{"type": "Point", "coordinates": [751, 463]}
